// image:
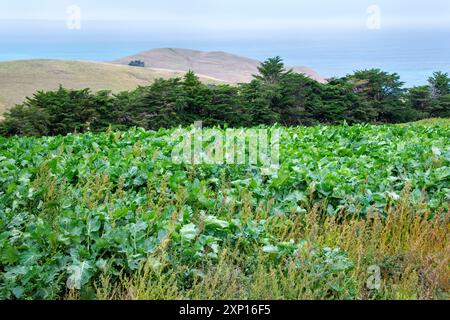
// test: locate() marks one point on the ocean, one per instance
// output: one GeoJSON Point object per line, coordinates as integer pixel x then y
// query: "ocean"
{"type": "Point", "coordinates": [413, 54]}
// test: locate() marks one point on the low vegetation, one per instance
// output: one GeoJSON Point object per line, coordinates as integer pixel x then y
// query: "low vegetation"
{"type": "Point", "coordinates": [111, 216]}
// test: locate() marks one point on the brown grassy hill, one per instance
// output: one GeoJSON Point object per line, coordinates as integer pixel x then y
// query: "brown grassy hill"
{"type": "Point", "coordinates": [220, 65]}
{"type": "Point", "coordinates": [19, 79]}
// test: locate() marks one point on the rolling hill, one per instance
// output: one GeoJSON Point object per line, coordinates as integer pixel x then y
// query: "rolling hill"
{"type": "Point", "coordinates": [220, 65]}
{"type": "Point", "coordinates": [20, 79]}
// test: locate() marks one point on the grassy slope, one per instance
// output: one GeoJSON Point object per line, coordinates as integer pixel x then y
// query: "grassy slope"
{"type": "Point", "coordinates": [19, 79]}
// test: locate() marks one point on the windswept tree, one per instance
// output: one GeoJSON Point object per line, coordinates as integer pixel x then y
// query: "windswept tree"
{"type": "Point", "coordinates": [160, 105]}
{"type": "Point", "coordinates": [195, 97]}
{"type": "Point", "coordinates": [258, 99]}
{"type": "Point", "coordinates": [25, 121]}
{"type": "Point", "coordinates": [299, 101]}
{"type": "Point", "coordinates": [420, 101]}
{"type": "Point", "coordinates": [432, 100]}
{"type": "Point", "coordinates": [439, 84]}
{"type": "Point", "coordinates": [56, 112]}
{"type": "Point", "coordinates": [340, 102]}
{"type": "Point", "coordinates": [383, 93]}
{"type": "Point", "coordinates": [440, 94]}
{"type": "Point", "coordinates": [272, 70]}
{"type": "Point", "coordinates": [225, 108]}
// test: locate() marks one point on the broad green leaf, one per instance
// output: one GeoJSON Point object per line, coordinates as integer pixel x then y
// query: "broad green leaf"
{"type": "Point", "coordinates": [215, 223]}
{"type": "Point", "coordinates": [189, 232]}
{"type": "Point", "coordinates": [79, 274]}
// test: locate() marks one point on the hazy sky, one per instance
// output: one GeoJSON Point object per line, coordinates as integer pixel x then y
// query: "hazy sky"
{"type": "Point", "coordinates": [332, 36]}
{"type": "Point", "coordinates": [240, 14]}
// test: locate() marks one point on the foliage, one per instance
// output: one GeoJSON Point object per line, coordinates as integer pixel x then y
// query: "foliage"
{"type": "Point", "coordinates": [381, 92]}
{"type": "Point", "coordinates": [83, 212]}
{"type": "Point", "coordinates": [432, 100]}
{"type": "Point", "coordinates": [272, 71]}
{"type": "Point", "coordinates": [275, 95]}
{"type": "Point", "coordinates": [440, 84]}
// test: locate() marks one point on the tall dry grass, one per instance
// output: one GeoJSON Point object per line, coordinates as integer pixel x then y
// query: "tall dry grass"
{"type": "Point", "coordinates": [409, 245]}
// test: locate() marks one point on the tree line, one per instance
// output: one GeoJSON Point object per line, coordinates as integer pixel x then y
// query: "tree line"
{"type": "Point", "coordinates": [275, 95]}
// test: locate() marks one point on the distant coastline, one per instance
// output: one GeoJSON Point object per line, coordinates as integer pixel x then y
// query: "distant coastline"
{"type": "Point", "coordinates": [414, 55]}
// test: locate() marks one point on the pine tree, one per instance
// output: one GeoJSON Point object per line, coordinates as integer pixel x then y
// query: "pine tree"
{"type": "Point", "coordinates": [272, 71]}
{"type": "Point", "coordinates": [440, 84]}
{"type": "Point", "coordinates": [382, 92]}
{"type": "Point", "coordinates": [195, 99]}
{"type": "Point", "coordinates": [257, 100]}
{"type": "Point", "coordinates": [421, 101]}
{"type": "Point", "coordinates": [299, 101]}
{"type": "Point", "coordinates": [159, 105]}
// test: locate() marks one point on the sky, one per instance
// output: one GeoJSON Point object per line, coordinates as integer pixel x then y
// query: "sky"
{"type": "Point", "coordinates": [239, 14]}
{"type": "Point", "coordinates": [334, 37]}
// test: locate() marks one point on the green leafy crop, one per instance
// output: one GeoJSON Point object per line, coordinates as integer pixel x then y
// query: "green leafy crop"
{"type": "Point", "coordinates": [75, 207]}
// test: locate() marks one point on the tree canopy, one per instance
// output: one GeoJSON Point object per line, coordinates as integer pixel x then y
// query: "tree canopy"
{"type": "Point", "coordinates": [275, 95]}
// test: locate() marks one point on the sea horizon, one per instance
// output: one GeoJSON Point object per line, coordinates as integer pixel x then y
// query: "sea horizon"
{"type": "Point", "coordinates": [413, 54]}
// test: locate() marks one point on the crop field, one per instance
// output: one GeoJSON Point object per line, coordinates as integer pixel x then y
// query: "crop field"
{"type": "Point", "coordinates": [354, 212]}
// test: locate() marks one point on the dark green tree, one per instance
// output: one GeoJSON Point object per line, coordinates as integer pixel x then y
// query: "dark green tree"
{"type": "Point", "coordinates": [25, 121]}
{"type": "Point", "coordinates": [421, 101]}
{"type": "Point", "coordinates": [124, 108]}
{"type": "Point", "coordinates": [299, 101]}
{"type": "Point", "coordinates": [274, 96]}
{"type": "Point", "coordinates": [440, 94]}
{"type": "Point", "coordinates": [257, 99]}
{"type": "Point", "coordinates": [383, 92]}
{"type": "Point", "coordinates": [443, 108]}
{"type": "Point", "coordinates": [272, 71]}
{"type": "Point", "coordinates": [195, 98]}
{"type": "Point", "coordinates": [439, 84]}
{"type": "Point", "coordinates": [57, 112]}
{"type": "Point", "coordinates": [224, 108]}
{"type": "Point", "coordinates": [160, 105]}
{"type": "Point", "coordinates": [340, 102]}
